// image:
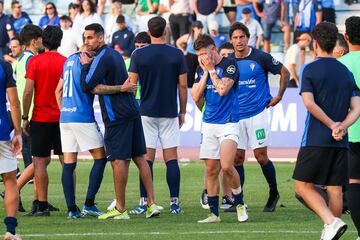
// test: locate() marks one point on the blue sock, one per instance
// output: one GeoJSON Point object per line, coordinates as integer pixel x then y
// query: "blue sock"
{"type": "Point", "coordinates": [11, 224]}
{"type": "Point", "coordinates": [241, 171]}
{"type": "Point", "coordinates": [173, 177]}
{"type": "Point", "coordinates": [95, 179]}
{"type": "Point", "coordinates": [68, 185]}
{"type": "Point", "coordinates": [214, 204]}
{"type": "Point", "coordinates": [270, 175]}
{"type": "Point", "coordinates": [143, 192]}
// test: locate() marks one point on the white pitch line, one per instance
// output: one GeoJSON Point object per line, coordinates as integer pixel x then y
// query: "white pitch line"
{"type": "Point", "coordinates": [170, 233]}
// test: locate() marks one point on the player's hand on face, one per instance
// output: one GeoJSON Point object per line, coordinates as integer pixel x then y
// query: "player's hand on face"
{"type": "Point", "coordinates": [275, 100]}
{"type": "Point", "coordinates": [181, 119]}
{"type": "Point", "coordinates": [206, 61]}
{"type": "Point", "coordinates": [86, 58]}
{"type": "Point", "coordinates": [128, 86]}
{"type": "Point", "coordinates": [26, 128]}
{"type": "Point", "coordinates": [201, 64]}
{"type": "Point", "coordinates": [16, 144]}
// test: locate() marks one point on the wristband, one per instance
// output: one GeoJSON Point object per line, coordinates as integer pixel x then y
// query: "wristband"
{"type": "Point", "coordinates": [212, 71]}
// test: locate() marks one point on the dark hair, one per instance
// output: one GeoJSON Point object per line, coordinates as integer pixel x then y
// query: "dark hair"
{"type": "Point", "coordinates": [13, 3]}
{"type": "Point", "coordinates": [226, 45]}
{"type": "Point", "coordinates": [203, 41]}
{"type": "Point", "coordinates": [241, 27]}
{"type": "Point", "coordinates": [52, 36]}
{"type": "Point", "coordinates": [2, 3]}
{"type": "Point", "coordinates": [73, 5]}
{"type": "Point", "coordinates": [156, 26]}
{"type": "Point", "coordinates": [342, 43]}
{"type": "Point", "coordinates": [53, 5]}
{"type": "Point", "coordinates": [17, 39]}
{"type": "Point", "coordinates": [92, 6]}
{"type": "Point", "coordinates": [120, 19]}
{"type": "Point", "coordinates": [353, 30]}
{"type": "Point", "coordinates": [65, 18]}
{"type": "Point", "coordinates": [142, 37]}
{"type": "Point", "coordinates": [30, 32]}
{"type": "Point", "coordinates": [326, 35]}
{"type": "Point", "coordinates": [99, 30]}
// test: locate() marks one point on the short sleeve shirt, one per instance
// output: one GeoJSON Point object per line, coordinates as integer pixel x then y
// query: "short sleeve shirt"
{"type": "Point", "coordinates": [144, 6]}
{"type": "Point", "coordinates": [332, 85]}
{"type": "Point", "coordinates": [17, 24]}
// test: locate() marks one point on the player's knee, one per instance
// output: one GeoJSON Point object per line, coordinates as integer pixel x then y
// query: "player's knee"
{"type": "Point", "coordinates": [227, 169]}
{"type": "Point", "coordinates": [300, 187]}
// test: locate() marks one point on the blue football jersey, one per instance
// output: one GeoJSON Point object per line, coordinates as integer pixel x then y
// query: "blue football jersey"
{"type": "Point", "coordinates": [76, 106]}
{"type": "Point", "coordinates": [220, 109]}
{"type": "Point", "coordinates": [253, 90]}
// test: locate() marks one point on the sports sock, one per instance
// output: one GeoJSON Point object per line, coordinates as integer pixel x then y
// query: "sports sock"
{"type": "Point", "coordinates": [173, 177]}
{"type": "Point", "coordinates": [68, 185]}
{"type": "Point", "coordinates": [241, 171]}
{"type": "Point", "coordinates": [237, 196]}
{"type": "Point", "coordinates": [143, 192]}
{"type": "Point", "coordinates": [353, 197]}
{"type": "Point", "coordinates": [270, 175]}
{"type": "Point", "coordinates": [95, 179]}
{"type": "Point", "coordinates": [11, 224]}
{"type": "Point", "coordinates": [214, 204]}
{"type": "Point", "coordinates": [43, 205]}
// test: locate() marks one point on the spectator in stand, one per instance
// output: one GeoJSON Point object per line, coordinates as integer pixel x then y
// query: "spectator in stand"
{"type": "Point", "coordinates": [207, 10]}
{"type": "Point", "coordinates": [186, 44]}
{"type": "Point", "coordinates": [4, 34]}
{"type": "Point", "coordinates": [308, 15]}
{"type": "Point", "coordinates": [218, 38]}
{"type": "Point", "coordinates": [17, 20]}
{"type": "Point", "coordinates": [16, 48]}
{"type": "Point", "coordinates": [341, 47]}
{"type": "Point", "coordinates": [273, 13]}
{"type": "Point", "coordinates": [292, 7]}
{"type": "Point", "coordinates": [71, 41]}
{"type": "Point", "coordinates": [110, 21]}
{"type": "Point", "coordinates": [123, 39]}
{"type": "Point", "coordinates": [73, 11]}
{"type": "Point", "coordinates": [255, 29]}
{"type": "Point", "coordinates": [226, 49]}
{"type": "Point", "coordinates": [230, 10]}
{"type": "Point", "coordinates": [164, 12]}
{"type": "Point", "coordinates": [241, 4]}
{"type": "Point", "coordinates": [328, 10]}
{"type": "Point", "coordinates": [51, 16]}
{"type": "Point", "coordinates": [147, 9]}
{"type": "Point", "coordinates": [295, 57]}
{"type": "Point", "coordinates": [181, 11]}
{"type": "Point", "coordinates": [86, 16]}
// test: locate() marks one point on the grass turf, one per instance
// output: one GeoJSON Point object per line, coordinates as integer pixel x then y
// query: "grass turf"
{"type": "Point", "coordinates": [290, 221]}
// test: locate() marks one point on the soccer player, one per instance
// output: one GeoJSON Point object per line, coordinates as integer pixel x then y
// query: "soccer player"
{"type": "Point", "coordinates": [254, 98]}
{"type": "Point", "coordinates": [322, 158]}
{"type": "Point", "coordinates": [9, 148]}
{"type": "Point", "coordinates": [215, 85]}
{"type": "Point", "coordinates": [42, 76]}
{"type": "Point", "coordinates": [79, 132]}
{"type": "Point", "coordinates": [351, 60]}
{"type": "Point", "coordinates": [105, 74]}
{"type": "Point", "coordinates": [162, 73]}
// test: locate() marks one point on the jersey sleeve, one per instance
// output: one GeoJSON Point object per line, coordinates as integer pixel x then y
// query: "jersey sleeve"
{"type": "Point", "coordinates": [183, 65]}
{"type": "Point", "coordinates": [271, 64]}
{"type": "Point", "coordinates": [31, 69]}
{"type": "Point", "coordinates": [92, 75]}
{"type": "Point", "coordinates": [198, 74]}
{"type": "Point", "coordinates": [305, 81]}
{"type": "Point", "coordinates": [133, 63]}
{"type": "Point", "coordinates": [231, 71]}
{"type": "Point", "coordinates": [10, 81]}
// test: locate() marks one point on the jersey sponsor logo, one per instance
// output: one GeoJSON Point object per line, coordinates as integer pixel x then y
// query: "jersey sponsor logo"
{"type": "Point", "coordinates": [275, 62]}
{"type": "Point", "coordinates": [231, 69]}
{"type": "Point", "coordinates": [251, 81]}
{"type": "Point", "coordinates": [70, 110]}
{"type": "Point", "coordinates": [252, 66]}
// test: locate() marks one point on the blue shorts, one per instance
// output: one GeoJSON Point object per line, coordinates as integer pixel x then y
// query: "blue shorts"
{"type": "Point", "coordinates": [267, 27]}
{"type": "Point", "coordinates": [125, 140]}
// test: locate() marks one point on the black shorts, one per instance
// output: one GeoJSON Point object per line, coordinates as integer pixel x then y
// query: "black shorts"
{"type": "Point", "coordinates": [328, 15]}
{"type": "Point", "coordinates": [321, 165]}
{"type": "Point", "coordinates": [354, 160]}
{"type": "Point", "coordinates": [125, 140]}
{"type": "Point", "coordinates": [229, 9]}
{"type": "Point", "coordinates": [44, 137]}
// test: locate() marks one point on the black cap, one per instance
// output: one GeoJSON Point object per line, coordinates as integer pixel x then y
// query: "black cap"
{"type": "Point", "coordinates": [197, 24]}
{"type": "Point", "coordinates": [246, 10]}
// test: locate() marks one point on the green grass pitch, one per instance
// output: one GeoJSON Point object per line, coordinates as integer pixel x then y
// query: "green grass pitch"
{"type": "Point", "coordinates": [291, 221]}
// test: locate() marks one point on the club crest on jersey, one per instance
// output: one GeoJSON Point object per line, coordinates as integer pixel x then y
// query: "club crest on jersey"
{"type": "Point", "coordinates": [252, 66]}
{"type": "Point", "coordinates": [231, 69]}
{"type": "Point", "coordinates": [275, 62]}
